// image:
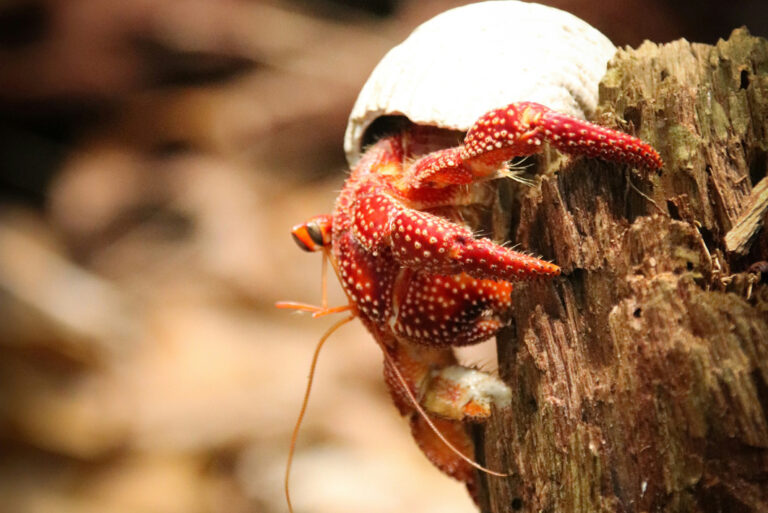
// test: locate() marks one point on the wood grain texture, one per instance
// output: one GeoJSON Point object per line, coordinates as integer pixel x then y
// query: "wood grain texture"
{"type": "Point", "coordinates": [640, 377]}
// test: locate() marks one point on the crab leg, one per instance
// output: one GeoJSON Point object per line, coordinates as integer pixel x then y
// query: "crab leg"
{"type": "Point", "coordinates": [518, 130]}
{"type": "Point", "coordinates": [421, 240]}
{"type": "Point", "coordinates": [451, 394]}
{"type": "Point", "coordinates": [424, 241]}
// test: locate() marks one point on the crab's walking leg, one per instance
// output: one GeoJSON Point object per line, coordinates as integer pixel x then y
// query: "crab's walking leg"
{"type": "Point", "coordinates": [517, 130]}
{"type": "Point", "coordinates": [435, 451]}
{"type": "Point", "coordinates": [424, 241]}
{"type": "Point", "coordinates": [421, 240]}
{"type": "Point", "coordinates": [442, 386]}
{"type": "Point", "coordinates": [460, 393]}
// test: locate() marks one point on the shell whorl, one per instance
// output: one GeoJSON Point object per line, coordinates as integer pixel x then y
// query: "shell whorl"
{"type": "Point", "coordinates": [471, 59]}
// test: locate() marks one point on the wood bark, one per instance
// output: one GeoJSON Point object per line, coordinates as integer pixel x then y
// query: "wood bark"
{"type": "Point", "coordinates": [640, 377]}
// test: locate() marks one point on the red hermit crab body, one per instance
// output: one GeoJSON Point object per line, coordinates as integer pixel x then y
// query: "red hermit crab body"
{"type": "Point", "coordinates": [416, 276]}
{"type": "Point", "coordinates": [421, 281]}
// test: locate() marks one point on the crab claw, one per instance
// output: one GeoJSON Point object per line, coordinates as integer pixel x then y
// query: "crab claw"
{"type": "Point", "coordinates": [459, 393]}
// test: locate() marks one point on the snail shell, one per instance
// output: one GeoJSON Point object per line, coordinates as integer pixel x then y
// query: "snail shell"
{"type": "Point", "coordinates": [475, 58]}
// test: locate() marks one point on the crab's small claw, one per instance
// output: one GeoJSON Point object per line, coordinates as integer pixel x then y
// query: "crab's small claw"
{"type": "Point", "coordinates": [459, 393]}
{"type": "Point", "coordinates": [451, 394]}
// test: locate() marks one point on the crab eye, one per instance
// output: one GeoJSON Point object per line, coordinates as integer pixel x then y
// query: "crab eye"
{"type": "Point", "coordinates": [302, 235]}
{"type": "Point", "coordinates": [314, 234]}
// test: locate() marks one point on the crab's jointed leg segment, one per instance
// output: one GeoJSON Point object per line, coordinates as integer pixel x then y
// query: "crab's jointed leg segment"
{"type": "Point", "coordinates": [442, 386]}
{"type": "Point", "coordinates": [439, 168]}
{"type": "Point", "coordinates": [517, 130]}
{"type": "Point", "coordinates": [421, 240]}
{"type": "Point", "coordinates": [435, 451]}
{"type": "Point", "coordinates": [456, 310]}
{"type": "Point", "coordinates": [450, 392]}
{"type": "Point", "coordinates": [566, 133]}
{"type": "Point", "coordinates": [424, 241]}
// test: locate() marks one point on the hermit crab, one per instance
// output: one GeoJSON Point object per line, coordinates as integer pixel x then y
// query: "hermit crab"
{"type": "Point", "coordinates": [510, 78]}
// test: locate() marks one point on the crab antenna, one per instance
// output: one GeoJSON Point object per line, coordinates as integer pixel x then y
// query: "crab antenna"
{"type": "Point", "coordinates": [324, 280]}
{"type": "Point", "coordinates": [429, 422]}
{"type": "Point", "coordinates": [322, 310]}
{"type": "Point", "coordinates": [305, 401]}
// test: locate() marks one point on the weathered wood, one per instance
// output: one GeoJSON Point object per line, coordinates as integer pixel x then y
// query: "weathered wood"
{"type": "Point", "coordinates": [739, 239]}
{"type": "Point", "coordinates": [640, 377]}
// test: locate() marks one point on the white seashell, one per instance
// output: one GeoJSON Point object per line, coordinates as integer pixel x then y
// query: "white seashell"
{"type": "Point", "coordinates": [475, 58]}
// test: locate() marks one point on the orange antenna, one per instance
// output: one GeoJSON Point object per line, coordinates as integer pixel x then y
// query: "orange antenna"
{"type": "Point", "coordinates": [304, 403]}
{"type": "Point", "coordinates": [322, 310]}
{"type": "Point", "coordinates": [324, 280]}
{"type": "Point", "coordinates": [429, 422]}
{"type": "Point", "coordinates": [317, 311]}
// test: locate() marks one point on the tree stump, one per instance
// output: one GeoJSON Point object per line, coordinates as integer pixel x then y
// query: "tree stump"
{"type": "Point", "coordinates": [640, 377]}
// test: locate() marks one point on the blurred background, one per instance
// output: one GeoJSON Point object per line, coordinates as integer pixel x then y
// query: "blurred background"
{"type": "Point", "coordinates": [153, 156]}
